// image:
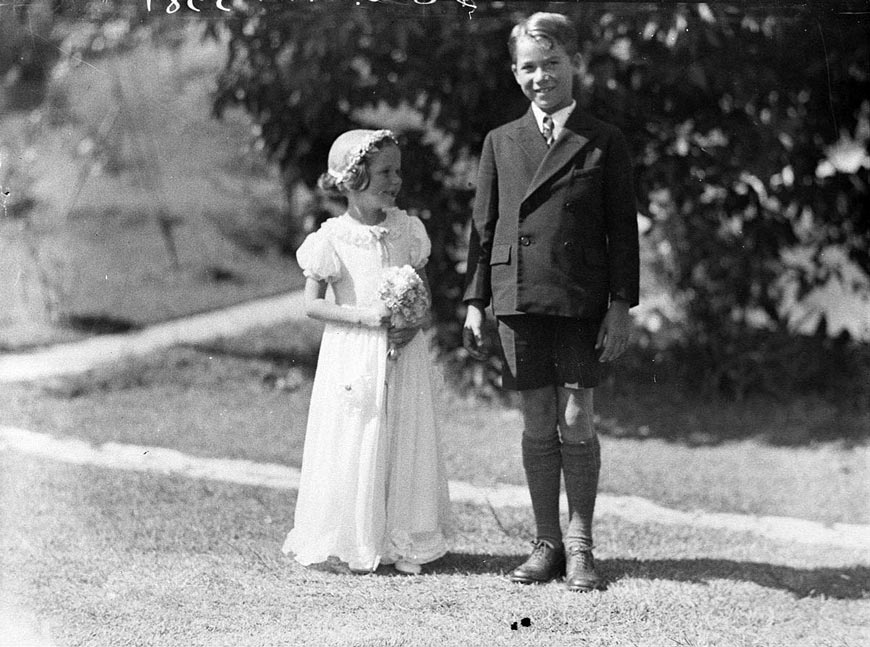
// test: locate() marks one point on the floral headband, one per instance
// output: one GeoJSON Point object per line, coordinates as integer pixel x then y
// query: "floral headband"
{"type": "Point", "coordinates": [350, 148]}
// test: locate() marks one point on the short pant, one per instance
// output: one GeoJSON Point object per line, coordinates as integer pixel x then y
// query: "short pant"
{"type": "Point", "coordinates": [543, 350]}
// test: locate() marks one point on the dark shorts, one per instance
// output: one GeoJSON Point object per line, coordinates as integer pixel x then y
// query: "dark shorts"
{"type": "Point", "coordinates": [541, 350]}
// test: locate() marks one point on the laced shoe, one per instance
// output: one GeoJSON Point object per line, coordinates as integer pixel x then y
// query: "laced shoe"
{"type": "Point", "coordinates": [544, 564]}
{"type": "Point", "coordinates": [580, 572]}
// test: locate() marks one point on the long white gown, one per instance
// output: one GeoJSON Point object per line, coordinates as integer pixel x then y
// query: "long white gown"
{"type": "Point", "coordinates": [372, 487]}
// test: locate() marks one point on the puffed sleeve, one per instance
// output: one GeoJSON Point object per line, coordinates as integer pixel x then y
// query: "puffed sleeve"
{"type": "Point", "coordinates": [420, 244]}
{"type": "Point", "coordinates": [317, 258]}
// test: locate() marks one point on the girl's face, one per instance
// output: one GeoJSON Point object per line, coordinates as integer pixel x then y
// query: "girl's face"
{"type": "Point", "coordinates": [545, 74]}
{"type": "Point", "coordinates": [385, 179]}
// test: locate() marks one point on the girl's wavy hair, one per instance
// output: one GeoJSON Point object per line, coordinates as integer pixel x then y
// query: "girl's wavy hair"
{"type": "Point", "coordinates": [356, 176]}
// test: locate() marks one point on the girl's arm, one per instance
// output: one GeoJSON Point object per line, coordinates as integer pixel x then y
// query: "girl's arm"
{"type": "Point", "coordinates": [317, 307]}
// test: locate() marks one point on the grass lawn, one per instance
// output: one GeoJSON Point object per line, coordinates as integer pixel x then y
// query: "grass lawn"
{"type": "Point", "coordinates": [118, 558]}
{"type": "Point", "coordinates": [111, 558]}
{"type": "Point", "coordinates": [248, 398]}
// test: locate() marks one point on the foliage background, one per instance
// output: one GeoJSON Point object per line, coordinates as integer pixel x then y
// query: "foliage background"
{"type": "Point", "coordinates": [749, 126]}
{"type": "Point", "coordinates": [752, 166]}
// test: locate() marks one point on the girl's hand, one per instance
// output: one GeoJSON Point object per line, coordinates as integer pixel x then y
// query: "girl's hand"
{"type": "Point", "coordinates": [376, 316]}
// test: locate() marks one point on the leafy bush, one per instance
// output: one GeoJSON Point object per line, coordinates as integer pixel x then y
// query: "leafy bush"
{"type": "Point", "coordinates": [747, 155]}
{"type": "Point", "coordinates": [762, 363]}
{"type": "Point", "coordinates": [731, 134]}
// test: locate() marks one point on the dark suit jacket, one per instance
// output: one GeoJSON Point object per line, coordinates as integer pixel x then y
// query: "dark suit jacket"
{"type": "Point", "coordinates": [554, 231]}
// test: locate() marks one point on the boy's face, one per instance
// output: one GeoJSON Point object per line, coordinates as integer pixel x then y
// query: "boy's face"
{"type": "Point", "coordinates": [545, 74]}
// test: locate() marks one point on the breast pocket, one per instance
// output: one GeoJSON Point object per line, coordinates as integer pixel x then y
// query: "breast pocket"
{"type": "Point", "coordinates": [584, 179]}
{"type": "Point", "coordinates": [586, 190]}
{"type": "Point", "coordinates": [582, 174]}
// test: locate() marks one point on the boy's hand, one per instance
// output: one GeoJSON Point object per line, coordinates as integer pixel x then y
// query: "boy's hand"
{"type": "Point", "coordinates": [614, 332]}
{"type": "Point", "coordinates": [472, 331]}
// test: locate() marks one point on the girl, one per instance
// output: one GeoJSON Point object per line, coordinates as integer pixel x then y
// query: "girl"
{"type": "Point", "coordinates": [372, 489]}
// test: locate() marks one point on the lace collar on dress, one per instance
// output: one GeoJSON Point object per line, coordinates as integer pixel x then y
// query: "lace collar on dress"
{"type": "Point", "coordinates": [353, 232]}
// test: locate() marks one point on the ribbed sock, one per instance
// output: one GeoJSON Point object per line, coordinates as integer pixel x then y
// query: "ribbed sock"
{"type": "Point", "coordinates": [581, 463]}
{"type": "Point", "coordinates": [542, 460]}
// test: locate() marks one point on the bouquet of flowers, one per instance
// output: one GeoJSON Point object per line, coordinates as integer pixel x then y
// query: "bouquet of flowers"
{"type": "Point", "coordinates": [405, 294]}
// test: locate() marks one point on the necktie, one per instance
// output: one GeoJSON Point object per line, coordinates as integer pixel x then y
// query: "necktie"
{"type": "Point", "coordinates": [547, 129]}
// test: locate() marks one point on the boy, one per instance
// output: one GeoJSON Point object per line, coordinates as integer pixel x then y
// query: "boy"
{"type": "Point", "coordinates": [554, 249]}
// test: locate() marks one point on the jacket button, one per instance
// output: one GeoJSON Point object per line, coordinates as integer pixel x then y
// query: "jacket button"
{"type": "Point", "coordinates": [569, 205]}
{"type": "Point", "coordinates": [569, 244]}
{"type": "Point", "coordinates": [525, 241]}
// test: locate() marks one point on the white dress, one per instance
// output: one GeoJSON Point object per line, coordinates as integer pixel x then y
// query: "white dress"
{"type": "Point", "coordinates": [372, 489]}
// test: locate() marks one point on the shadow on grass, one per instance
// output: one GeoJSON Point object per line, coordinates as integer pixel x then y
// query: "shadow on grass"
{"type": "Point", "coordinates": [475, 564]}
{"type": "Point", "coordinates": [665, 411]}
{"type": "Point", "coordinates": [299, 357]}
{"type": "Point", "coordinates": [849, 583]}
{"type": "Point", "coordinates": [98, 324]}
{"type": "Point", "coordinates": [184, 364]}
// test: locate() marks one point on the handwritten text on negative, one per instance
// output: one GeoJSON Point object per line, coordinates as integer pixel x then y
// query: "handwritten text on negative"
{"type": "Point", "coordinates": [173, 6]}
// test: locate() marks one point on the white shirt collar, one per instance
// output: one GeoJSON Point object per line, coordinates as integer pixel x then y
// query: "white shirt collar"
{"type": "Point", "coordinates": [559, 118]}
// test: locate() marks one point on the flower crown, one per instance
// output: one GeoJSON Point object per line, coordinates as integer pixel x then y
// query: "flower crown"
{"type": "Point", "coordinates": [342, 168]}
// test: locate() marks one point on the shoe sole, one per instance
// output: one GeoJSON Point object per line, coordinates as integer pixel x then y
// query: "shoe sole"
{"type": "Point", "coordinates": [527, 582]}
{"type": "Point", "coordinates": [531, 580]}
{"type": "Point", "coordinates": [598, 586]}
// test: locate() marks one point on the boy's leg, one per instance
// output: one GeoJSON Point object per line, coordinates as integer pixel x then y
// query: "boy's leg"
{"type": "Point", "coordinates": [542, 461]}
{"type": "Point", "coordinates": [581, 464]}
{"type": "Point", "coordinates": [527, 346]}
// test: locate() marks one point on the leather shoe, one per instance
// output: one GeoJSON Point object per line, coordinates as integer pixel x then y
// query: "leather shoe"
{"type": "Point", "coordinates": [580, 571]}
{"type": "Point", "coordinates": [544, 564]}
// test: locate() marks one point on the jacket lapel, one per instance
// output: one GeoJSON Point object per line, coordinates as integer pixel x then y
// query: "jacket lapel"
{"type": "Point", "coordinates": [531, 142]}
{"type": "Point", "coordinates": [563, 150]}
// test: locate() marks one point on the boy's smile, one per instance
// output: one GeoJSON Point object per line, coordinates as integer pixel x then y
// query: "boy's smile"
{"type": "Point", "coordinates": [545, 73]}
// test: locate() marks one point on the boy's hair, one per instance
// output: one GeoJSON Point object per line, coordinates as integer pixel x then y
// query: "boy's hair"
{"type": "Point", "coordinates": [547, 28]}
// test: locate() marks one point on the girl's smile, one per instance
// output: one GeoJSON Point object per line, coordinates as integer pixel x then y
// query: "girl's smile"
{"type": "Point", "coordinates": [385, 181]}
{"type": "Point", "coordinates": [385, 174]}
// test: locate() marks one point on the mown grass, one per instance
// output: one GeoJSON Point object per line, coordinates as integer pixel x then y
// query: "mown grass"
{"type": "Point", "coordinates": [248, 398]}
{"type": "Point", "coordinates": [113, 558]}
{"type": "Point", "coordinates": [117, 558]}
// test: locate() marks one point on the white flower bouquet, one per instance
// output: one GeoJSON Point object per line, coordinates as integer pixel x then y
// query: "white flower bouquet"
{"type": "Point", "coordinates": [405, 294]}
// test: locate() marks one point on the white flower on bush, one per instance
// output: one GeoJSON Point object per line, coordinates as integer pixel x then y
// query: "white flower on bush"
{"type": "Point", "coordinates": [849, 154]}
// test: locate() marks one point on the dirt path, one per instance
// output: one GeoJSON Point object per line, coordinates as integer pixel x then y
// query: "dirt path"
{"type": "Point", "coordinates": [76, 357]}
{"type": "Point", "coordinates": [631, 508]}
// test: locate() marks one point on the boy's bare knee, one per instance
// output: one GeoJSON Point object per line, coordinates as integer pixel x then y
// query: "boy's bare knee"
{"type": "Point", "coordinates": [576, 423]}
{"type": "Point", "coordinates": [540, 414]}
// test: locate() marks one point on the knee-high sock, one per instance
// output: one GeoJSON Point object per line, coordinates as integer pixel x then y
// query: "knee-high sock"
{"type": "Point", "coordinates": [581, 463]}
{"type": "Point", "coordinates": [542, 460]}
